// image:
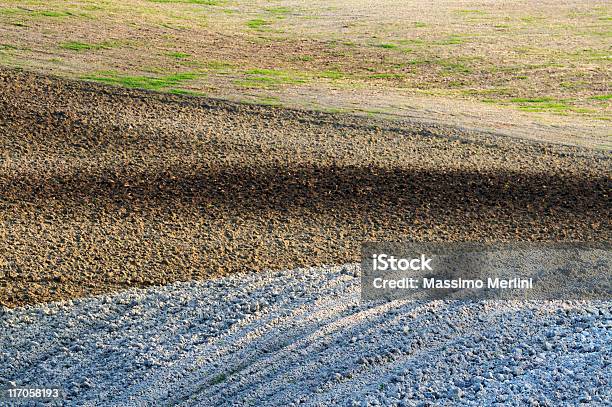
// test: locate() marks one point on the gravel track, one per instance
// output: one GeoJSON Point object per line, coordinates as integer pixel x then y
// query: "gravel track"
{"type": "Point", "coordinates": [103, 188]}
{"type": "Point", "coordinates": [302, 337]}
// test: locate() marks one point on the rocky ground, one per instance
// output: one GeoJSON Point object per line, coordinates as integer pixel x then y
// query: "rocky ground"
{"type": "Point", "coordinates": [104, 188]}
{"type": "Point", "coordinates": [302, 337]}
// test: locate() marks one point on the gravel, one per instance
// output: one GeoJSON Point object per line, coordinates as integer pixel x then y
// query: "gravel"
{"type": "Point", "coordinates": [302, 337]}
{"type": "Point", "coordinates": [103, 189]}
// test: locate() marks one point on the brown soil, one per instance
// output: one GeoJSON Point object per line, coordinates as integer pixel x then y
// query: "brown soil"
{"type": "Point", "coordinates": [103, 188]}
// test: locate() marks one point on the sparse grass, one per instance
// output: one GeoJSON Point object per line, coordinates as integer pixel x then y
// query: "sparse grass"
{"type": "Point", "coordinates": [450, 40]}
{"type": "Point", "coordinates": [76, 46]}
{"type": "Point", "coordinates": [187, 92]}
{"type": "Point", "coordinates": [52, 13]}
{"type": "Point", "coordinates": [142, 82]}
{"type": "Point", "coordinates": [219, 66]}
{"type": "Point", "coordinates": [532, 100]}
{"type": "Point", "coordinates": [334, 110]}
{"type": "Point", "coordinates": [543, 104]}
{"type": "Point", "coordinates": [601, 97]}
{"type": "Point", "coordinates": [411, 41]}
{"type": "Point", "coordinates": [331, 74]}
{"type": "Point", "coordinates": [453, 66]}
{"type": "Point", "coordinates": [83, 46]}
{"type": "Point", "coordinates": [529, 53]}
{"type": "Point", "coordinates": [279, 11]}
{"type": "Point", "coordinates": [178, 55]}
{"type": "Point", "coordinates": [268, 101]}
{"type": "Point", "coordinates": [26, 12]}
{"type": "Point", "coordinates": [10, 11]}
{"type": "Point", "coordinates": [420, 61]}
{"type": "Point", "coordinates": [257, 23]}
{"type": "Point", "coordinates": [386, 76]}
{"type": "Point", "coordinates": [387, 46]}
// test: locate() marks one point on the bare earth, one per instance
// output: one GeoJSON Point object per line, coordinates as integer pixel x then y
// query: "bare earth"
{"type": "Point", "coordinates": [103, 188]}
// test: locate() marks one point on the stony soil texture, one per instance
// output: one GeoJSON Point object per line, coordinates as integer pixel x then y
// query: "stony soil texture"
{"type": "Point", "coordinates": [302, 337]}
{"type": "Point", "coordinates": [104, 188]}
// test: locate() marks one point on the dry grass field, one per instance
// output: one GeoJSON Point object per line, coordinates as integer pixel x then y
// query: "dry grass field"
{"type": "Point", "coordinates": [528, 68]}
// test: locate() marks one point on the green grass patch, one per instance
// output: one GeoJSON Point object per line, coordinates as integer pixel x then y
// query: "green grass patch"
{"type": "Point", "coordinates": [601, 97]}
{"type": "Point", "coordinates": [331, 74]}
{"type": "Point", "coordinates": [257, 23]}
{"type": "Point", "coordinates": [419, 24]}
{"type": "Point", "coordinates": [142, 82]}
{"type": "Point", "coordinates": [531, 100]}
{"type": "Point", "coordinates": [178, 55]}
{"type": "Point", "coordinates": [279, 11]}
{"type": "Point", "coordinates": [542, 104]}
